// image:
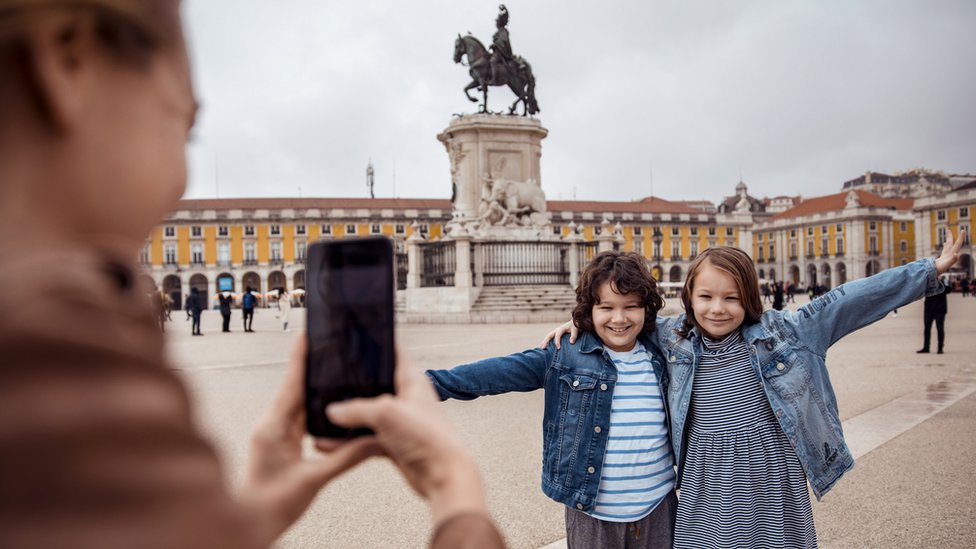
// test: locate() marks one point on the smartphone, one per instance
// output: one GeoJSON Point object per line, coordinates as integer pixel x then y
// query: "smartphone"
{"type": "Point", "coordinates": [349, 299]}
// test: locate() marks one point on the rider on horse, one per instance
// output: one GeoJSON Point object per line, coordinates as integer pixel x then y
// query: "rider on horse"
{"type": "Point", "coordinates": [502, 58]}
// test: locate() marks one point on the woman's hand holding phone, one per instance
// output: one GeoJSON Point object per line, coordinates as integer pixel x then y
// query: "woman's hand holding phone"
{"type": "Point", "coordinates": [410, 428]}
{"type": "Point", "coordinates": [281, 483]}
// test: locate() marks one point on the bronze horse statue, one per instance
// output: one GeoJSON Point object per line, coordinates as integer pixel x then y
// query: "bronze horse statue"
{"type": "Point", "coordinates": [519, 79]}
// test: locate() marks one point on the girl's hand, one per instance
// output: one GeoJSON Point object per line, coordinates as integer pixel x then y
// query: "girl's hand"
{"type": "Point", "coordinates": [950, 252]}
{"type": "Point", "coordinates": [558, 334]}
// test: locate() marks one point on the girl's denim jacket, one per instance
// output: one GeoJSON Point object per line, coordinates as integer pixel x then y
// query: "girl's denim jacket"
{"type": "Point", "coordinates": [788, 351]}
{"type": "Point", "coordinates": [578, 381]}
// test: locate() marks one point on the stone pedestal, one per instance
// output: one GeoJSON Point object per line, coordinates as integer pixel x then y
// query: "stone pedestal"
{"type": "Point", "coordinates": [497, 197]}
{"type": "Point", "coordinates": [486, 150]}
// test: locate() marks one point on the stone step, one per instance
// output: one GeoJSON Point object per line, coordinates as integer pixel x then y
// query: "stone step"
{"type": "Point", "coordinates": [525, 300]}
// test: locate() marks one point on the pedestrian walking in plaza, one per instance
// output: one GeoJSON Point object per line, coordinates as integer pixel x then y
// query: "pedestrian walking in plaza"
{"type": "Point", "coordinates": [964, 286]}
{"type": "Point", "coordinates": [606, 450]}
{"type": "Point", "coordinates": [744, 462]}
{"type": "Point", "coordinates": [99, 447]}
{"type": "Point", "coordinates": [247, 307]}
{"type": "Point", "coordinates": [778, 296]}
{"type": "Point", "coordinates": [284, 307]}
{"type": "Point", "coordinates": [936, 308]}
{"type": "Point", "coordinates": [194, 307]}
{"type": "Point", "coordinates": [225, 300]}
{"type": "Point", "coordinates": [159, 309]}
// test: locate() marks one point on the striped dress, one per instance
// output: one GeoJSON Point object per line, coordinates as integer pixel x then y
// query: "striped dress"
{"type": "Point", "coordinates": [742, 484]}
{"type": "Point", "coordinates": [638, 467]}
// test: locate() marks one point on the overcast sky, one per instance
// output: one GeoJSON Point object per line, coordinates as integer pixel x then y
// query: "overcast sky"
{"type": "Point", "coordinates": [672, 98]}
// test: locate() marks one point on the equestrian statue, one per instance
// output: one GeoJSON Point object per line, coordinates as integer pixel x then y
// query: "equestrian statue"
{"type": "Point", "coordinates": [500, 67]}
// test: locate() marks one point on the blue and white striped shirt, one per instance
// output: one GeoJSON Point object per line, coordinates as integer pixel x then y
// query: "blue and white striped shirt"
{"type": "Point", "coordinates": [638, 468]}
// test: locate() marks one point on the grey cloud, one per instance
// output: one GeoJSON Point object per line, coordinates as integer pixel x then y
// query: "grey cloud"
{"type": "Point", "coordinates": [799, 96]}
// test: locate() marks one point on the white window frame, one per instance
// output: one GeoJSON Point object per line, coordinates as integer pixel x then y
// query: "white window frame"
{"type": "Point", "coordinates": [169, 254]}
{"type": "Point", "coordinates": [223, 253]}
{"type": "Point", "coordinates": [196, 254]}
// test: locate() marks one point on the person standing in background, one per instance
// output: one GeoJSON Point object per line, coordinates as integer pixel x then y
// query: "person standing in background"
{"type": "Point", "coordinates": [247, 306]}
{"type": "Point", "coordinates": [225, 301]}
{"type": "Point", "coordinates": [194, 307]}
{"type": "Point", "coordinates": [778, 295]}
{"type": "Point", "coordinates": [936, 308]}
{"type": "Point", "coordinates": [284, 307]}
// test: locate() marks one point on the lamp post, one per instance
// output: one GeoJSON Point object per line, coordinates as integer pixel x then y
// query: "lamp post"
{"type": "Point", "coordinates": [657, 238]}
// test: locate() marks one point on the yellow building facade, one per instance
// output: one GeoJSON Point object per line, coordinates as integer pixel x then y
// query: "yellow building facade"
{"type": "Point", "coordinates": [232, 244]}
{"type": "Point", "coordinates": [936, 215]}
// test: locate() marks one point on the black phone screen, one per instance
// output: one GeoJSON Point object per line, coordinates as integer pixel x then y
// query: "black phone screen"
{"type": "Point", "coordinates": [350, 327]}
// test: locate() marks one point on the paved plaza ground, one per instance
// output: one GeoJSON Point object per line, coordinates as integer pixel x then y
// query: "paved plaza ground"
{"type": "Point", "coordinates": [910, 420]}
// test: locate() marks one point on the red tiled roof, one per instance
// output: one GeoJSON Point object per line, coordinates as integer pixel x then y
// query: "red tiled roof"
{"type": "Point", "coordinates": [647, 205]}
{"type": "Point", "coordinates": [836, 202]}
{"type": "Point", "coordinates": [305, 203]}
{"type": "Point", "coordinates": [651, 204]}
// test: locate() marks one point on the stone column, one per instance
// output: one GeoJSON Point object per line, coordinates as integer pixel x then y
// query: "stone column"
{"type": "Point", "coordinates": [479, 264]}
{"type": "Point", "coordinates": [462, 255]}
{"type": "Point", "coordinates": [413, 257]}
{"type": "Point", "coordinates": [573, 256]}
{"type": "Point", "coordinates": [606, 238]}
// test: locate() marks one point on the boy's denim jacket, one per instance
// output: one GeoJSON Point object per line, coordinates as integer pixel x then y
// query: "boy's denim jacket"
{"type": "Point", "coordinates": [788, 350]}
{"type": "Point", "coordinates": [578, 381]}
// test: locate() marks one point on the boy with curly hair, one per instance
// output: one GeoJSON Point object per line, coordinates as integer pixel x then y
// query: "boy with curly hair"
{"type": "Point", "coordinates": [606, 448]}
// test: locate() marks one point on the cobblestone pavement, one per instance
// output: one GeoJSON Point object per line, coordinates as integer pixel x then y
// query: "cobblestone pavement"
{"type": "Point", "coordinates": [910, 418]}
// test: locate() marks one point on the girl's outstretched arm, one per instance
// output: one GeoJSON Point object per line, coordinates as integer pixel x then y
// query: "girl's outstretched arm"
{"type": "Point", "coordinates": [853, 305]}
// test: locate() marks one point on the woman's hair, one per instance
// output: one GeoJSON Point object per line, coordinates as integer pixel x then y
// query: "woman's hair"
{"type": "Point", "coordinates": [627, 272]}
{"type": "Point", "coordinates": [735, 263]}
{"type": "Point", "coordinates": [130, 30]}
